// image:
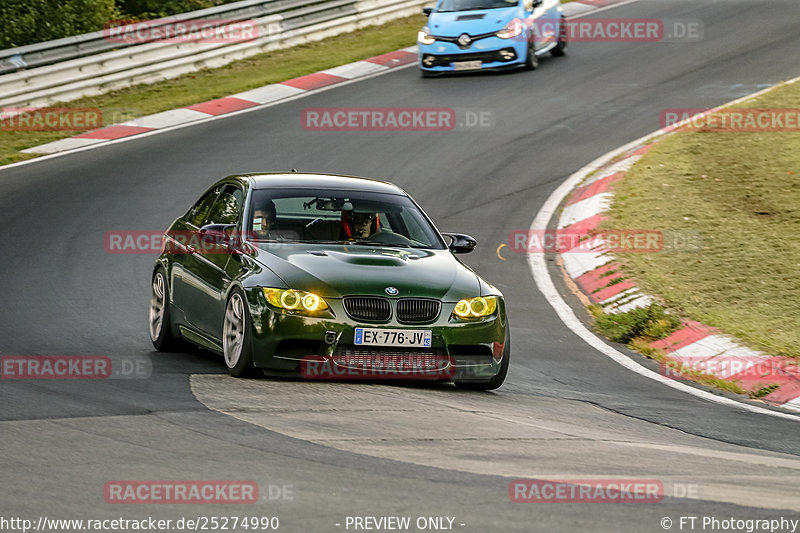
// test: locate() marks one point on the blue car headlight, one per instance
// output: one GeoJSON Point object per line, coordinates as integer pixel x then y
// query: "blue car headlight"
{"type": "Point", "coordinates": [514, 29]}
{"type": "Point", "coordinates": [425, 37]}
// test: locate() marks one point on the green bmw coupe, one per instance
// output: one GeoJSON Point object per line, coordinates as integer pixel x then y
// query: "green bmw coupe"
{"type": "Point", "coordinates": [334, 277]}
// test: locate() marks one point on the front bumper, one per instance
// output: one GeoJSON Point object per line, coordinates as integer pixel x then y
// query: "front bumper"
{"type": "Point", "coordinates": [460, 350]}
{"type": "Point", "coordinates": [493, 52]}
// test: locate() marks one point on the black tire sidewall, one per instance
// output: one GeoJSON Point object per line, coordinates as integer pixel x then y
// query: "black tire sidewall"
{"type": "Point", "coordinates": [531, 60]}
{"type": "Point", "coordinates": [165, 340]}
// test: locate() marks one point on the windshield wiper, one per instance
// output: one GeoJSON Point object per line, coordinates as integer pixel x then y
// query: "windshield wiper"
{"type": "Point", "coordinates": [375, 243]}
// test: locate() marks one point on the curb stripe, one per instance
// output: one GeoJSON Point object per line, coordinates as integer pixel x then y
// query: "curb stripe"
{"type": "Point", "coordinates": [269, 93]}
{"type": "Point", "coordinates": [579, 211]}
{"type": "Point", "coordinates": [596, 187]}
{"type": "Point", "coordinates": [113, 132]}
{"type": "Point", "coordinates": [222, 106]}
{"type": "Point", "coordinates": [313, 81]}
{"type": "Point", "coordinates": [579, 263]}
{"type": "Point", "coordinates": [355, 70]}
{"type": "Point", "coordinates": [788, 395]}
{"type": "Point", "coordinates": [612, 291]}
{"type": "Point", "coordinates": [690, 332]}
{"type": "Point", "coordinates": [62, 145]}
{"type": "Point", "coordinates": [394, 59]}
{"type": "Point", "coordinates": [585, 226]}
{"type": "Point", "coordinates": [596, 279]}
{"type": "Point", "coordinates": [166, 118]}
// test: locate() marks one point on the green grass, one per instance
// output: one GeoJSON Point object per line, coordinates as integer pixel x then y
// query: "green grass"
{"type": "Point", "coordinates": [638, 328]}
{"type": "Point", "coordinates": [742, 191]}
{"type": "Point", "coordinates": [272, 67]}
{"type": "Point", "coordinates": [644, 323]}
{"type": "Point", "coordinates": [763, 391]}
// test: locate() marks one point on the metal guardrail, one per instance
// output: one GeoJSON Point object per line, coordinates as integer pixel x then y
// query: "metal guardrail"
{"type": "Point", "coordinates": [90, 64]}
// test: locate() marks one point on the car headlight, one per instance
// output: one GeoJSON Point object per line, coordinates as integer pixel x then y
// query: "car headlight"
{"type": "Point", "coordinates": [424, 37]}
{"type": "Point", "coordinates": [477, 307]}
{"type": "Point", "coordinates": [295, 300]}
{"type": "Point", "coordinates": [513, 29]}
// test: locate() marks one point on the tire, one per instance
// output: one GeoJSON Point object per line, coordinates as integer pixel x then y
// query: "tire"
{"type": "Point", "coordinates": [558, 51]}
{"type": "Point", "coordinates": [160, 321]}
{"type": "Point", "coordinates": [236, 336]}
{"type": "Point", "coordinates": [531, 59]}
{"type": "Point", "coordinates": [496, 380]}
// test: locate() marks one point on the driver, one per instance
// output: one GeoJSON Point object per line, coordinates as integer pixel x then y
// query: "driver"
{"type": "Point", "coordinates": [263, 220]}
{"type": "Point", "coordinates": [358, 225]}
{"type": "Point", "coordinates": [362, 225]}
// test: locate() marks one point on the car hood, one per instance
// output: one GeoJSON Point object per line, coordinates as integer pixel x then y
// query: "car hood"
{"type": "Point", "coordinates": [334, 271]}
{"type": "Point", "coordinates": [475, 22]}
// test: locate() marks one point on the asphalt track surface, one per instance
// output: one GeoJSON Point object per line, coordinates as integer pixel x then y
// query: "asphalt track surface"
{"type": "Point", "coordinates": [566, 411]}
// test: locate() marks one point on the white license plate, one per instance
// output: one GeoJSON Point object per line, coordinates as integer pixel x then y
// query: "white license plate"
{"type": "Point", "coordinates": [466, 65]}
{"type": "Point", "coordinates": [393, 337]}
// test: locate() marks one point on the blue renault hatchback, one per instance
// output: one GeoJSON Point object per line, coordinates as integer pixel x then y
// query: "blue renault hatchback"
{"type": "Point", "coordinates": [469, 35]}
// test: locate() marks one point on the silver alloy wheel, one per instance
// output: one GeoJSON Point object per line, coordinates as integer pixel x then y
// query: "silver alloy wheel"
{"type": "Point", "coordinates": [157, 303]}
{"type": "Point", "coordinates": [233, 330]}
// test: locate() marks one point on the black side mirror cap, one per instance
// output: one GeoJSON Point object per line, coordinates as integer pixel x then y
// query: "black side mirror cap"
{"type": "Point", "coordinates": [427, 10]}
{"type": "Point", "coordinates": [461, 243]}
{"type": "Point", "coordinates": [219, 235]}
{"type": "Point", "coordinates": [216, 230]}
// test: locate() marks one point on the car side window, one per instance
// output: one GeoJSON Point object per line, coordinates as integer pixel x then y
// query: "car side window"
{"type": "Point", "coordinates": [200, 210]}
{"type": "Point", "coordinates": [227, 208]}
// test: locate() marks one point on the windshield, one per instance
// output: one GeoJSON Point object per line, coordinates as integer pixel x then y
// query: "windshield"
{"type": "Point", "coordinates": [469, 5]}
{"type": "Point", "coordinates": [338, 216]}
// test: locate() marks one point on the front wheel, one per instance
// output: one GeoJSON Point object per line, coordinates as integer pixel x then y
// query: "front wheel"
{"type": "Point", "coordinates": [495, 381]}
{"type": "Point", "coordinates": [160, 324]}
{"type": "Point", "coordinates": [531, 59]}
{"type": "Point", "coordinates": [558, 51]}
{"type": "Point", "coordinates": [236, 336]}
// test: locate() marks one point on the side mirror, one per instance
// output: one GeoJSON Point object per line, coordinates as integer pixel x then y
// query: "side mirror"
{"type": "Point", "coordinates": [212, 235]}
{"type": "Point", "coordinates": [427, 10]}
{"type": "Point", "coordinates": [460, 243]}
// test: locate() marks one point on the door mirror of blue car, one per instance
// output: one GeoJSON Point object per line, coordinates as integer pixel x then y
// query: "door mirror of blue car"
{"type": "Point", "coordinates": [427, 10]}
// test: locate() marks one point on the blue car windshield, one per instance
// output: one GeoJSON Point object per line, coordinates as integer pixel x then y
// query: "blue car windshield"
{"type": "Point", "coordinates": [469, 5]}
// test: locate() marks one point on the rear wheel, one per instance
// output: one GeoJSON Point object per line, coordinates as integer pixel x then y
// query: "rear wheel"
{"type": "Point", "coordinates": [496, 380]}
{"type": "Point", "coordinates": [236, 336]}
{"type": "Point", "coordinates": [160, 324]}
{"type": "Point", "coordinates": [558, 51]}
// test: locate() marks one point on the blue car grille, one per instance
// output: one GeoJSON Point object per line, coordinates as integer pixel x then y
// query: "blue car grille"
{"type": "Point", "coordinates": [485, 57]}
